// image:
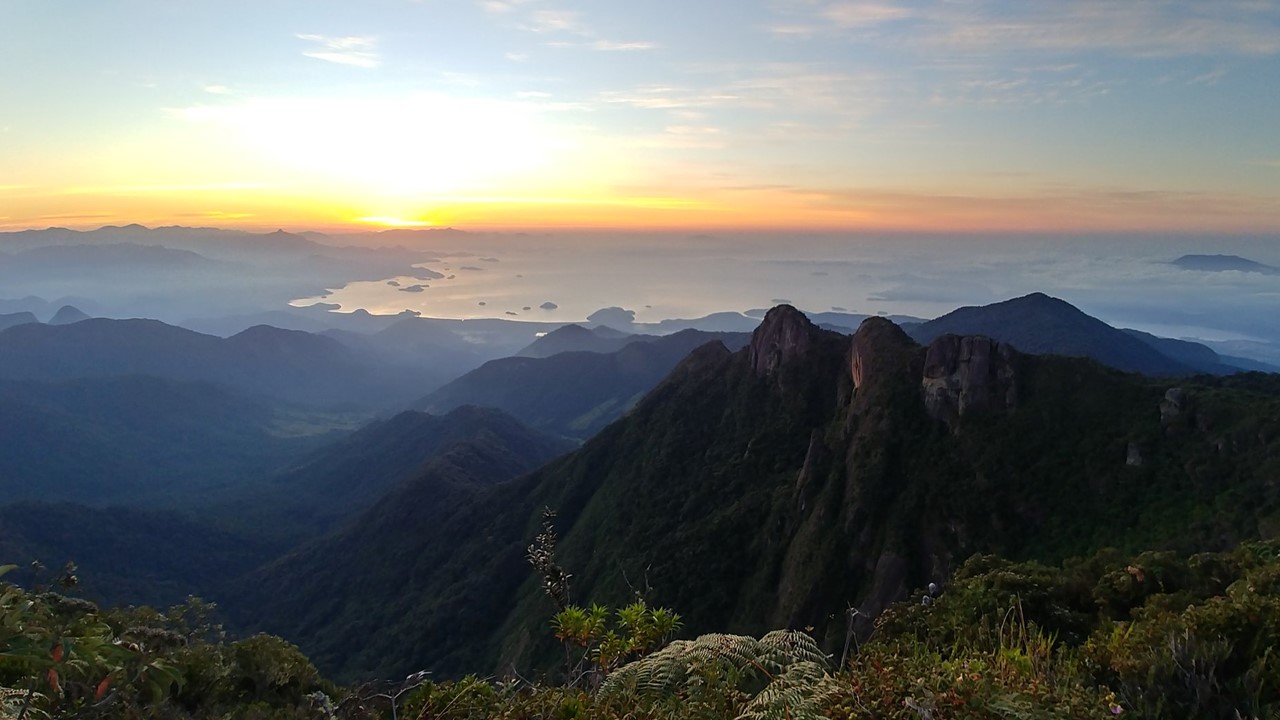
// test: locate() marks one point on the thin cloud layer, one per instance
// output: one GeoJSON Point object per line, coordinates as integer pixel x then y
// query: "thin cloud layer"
{"type": "Point", "coordinates": [356, 50]}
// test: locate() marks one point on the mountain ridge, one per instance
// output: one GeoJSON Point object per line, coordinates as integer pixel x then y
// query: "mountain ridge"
{"type": "Point", "coordinates": [723, 485]}
{"type": "Point", "coordinates": [1039, 324]}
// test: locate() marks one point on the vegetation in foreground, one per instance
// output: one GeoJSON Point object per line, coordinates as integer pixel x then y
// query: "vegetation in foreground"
{"type": "Point", "coordinates": [1152, 636]}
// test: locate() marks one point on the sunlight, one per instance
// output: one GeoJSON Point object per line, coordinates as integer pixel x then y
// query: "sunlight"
{"type": "Point", "coordinates": [388, 146]}
{"type": "Point", "coordinates": [394, 222]}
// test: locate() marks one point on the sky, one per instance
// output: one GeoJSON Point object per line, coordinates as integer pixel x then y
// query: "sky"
{"type": "Point", "coordinates": [929, 115]}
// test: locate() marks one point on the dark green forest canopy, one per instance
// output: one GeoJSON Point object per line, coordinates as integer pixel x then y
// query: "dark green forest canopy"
{"type": "Point", "coordinates": [777, 486]}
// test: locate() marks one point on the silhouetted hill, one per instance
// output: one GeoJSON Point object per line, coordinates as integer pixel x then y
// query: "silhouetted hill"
{"type": "Point", "coordinates": [1223, 263]}
{"type": "Point", "coordinates": [87, 259]}
{"type": "Point", "coordinates": [8, 320]}
{"type": "Point", "coordinates": [1044, 325]}
{"type": "Point", "coordinates": [779, 485]}
{"type": "Point", "coordinates": [575, 338]}
{"type": "Point", "coordinates": [346, 477]}
{"type": "Point", "coordinates": [573, 394]}
{"type": "Point", "coordinates": [68, 314]}
{"type": "Point", "coordinates": [172, 244]}
{"type": "Point", "coordinates": [1194, 355]}
{"type": "Point", "coordinates": [285, 364]}
{"type": "Point", "coordinates": [445, 348]}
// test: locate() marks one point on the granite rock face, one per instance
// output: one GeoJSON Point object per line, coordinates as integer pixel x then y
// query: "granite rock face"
{"type": "Point", "coordinates": [880, 349]}
{"type": "Point", "coordinates": [963, 375]}
{"type": "Point", "coordinates": [1171, 407]}
{"type": "Point", "coordinates": [784, 335]}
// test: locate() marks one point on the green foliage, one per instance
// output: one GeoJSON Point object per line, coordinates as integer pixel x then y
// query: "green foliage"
{"type": "Point", "coordinates": [637, 631]}
{"type": "Point", "coordinates": [1157, 635]}
{"type": "Point", "coordinates": [755, 500]}
{"type": "Point", "coordinates": [783, 674]}
{"type": "Point", "coordinates": [64, 657]}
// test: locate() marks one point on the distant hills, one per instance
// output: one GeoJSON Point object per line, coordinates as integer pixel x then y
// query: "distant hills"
{"type": "Point", "coordinates": [576, 338]}
{"type": "Point", "coordinates": [288, 365]}
{"type": "Point", "coordinates": [177, 273]}
{"type": "Point", "coordinates": [1224, 263]}
{"type": "Point", "coordinates": [1040, 324]}
{"type": "Point", "coordinates": [574, 394]}
{"type": "Point", "coordinates": [347, 476]}
{"type": "Point", "coordinates": [68, 314]}
{"type": "Point", "coordinates": [778, 485]}
{"type": "Point", "coordinates": [8, 320]}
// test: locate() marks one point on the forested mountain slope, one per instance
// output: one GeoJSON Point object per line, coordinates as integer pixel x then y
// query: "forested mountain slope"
{"type": "Point", "coordinates": [775, 486]}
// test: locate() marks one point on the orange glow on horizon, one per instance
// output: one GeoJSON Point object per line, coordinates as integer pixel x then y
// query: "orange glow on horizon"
{"type": "Point", "coordinates": [695, 210]}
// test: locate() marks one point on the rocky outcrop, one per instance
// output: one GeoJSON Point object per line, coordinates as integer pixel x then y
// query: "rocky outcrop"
{"type": "Point", "coordinates": [784, 336]}
{"type": "Point", "coordinates": [1171, 407]}
{"type": "Point", "coordinates": [880, 349]}
{"type": "Point", "coordinates": [970, 374]}
{"type": "Point", "coordinates": [1133, 456]}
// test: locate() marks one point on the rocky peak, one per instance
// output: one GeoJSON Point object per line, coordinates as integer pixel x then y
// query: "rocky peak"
{"type": "Point", "coordinates": [1172, 405]}
{"type": "Point", "coordinates": [875, 352]}
{"type": "Point", "coordinates": [784, 335]}
{"type": "Point", "coordinates": [968, 374]}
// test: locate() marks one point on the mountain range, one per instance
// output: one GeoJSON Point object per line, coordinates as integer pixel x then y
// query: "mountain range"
{"type": "Point", "coordinates": [575, 393]}
{"type": "Point", "coordinates": [747, 481]}
{"type": "Point", "coordinates": [776, 485]}
{"type": "Point", "coordinates": [146, 542]}
{"type": "Point", "coordinates": [289, 365]}
{"type": "Point", "coordinates": [1043, 325]}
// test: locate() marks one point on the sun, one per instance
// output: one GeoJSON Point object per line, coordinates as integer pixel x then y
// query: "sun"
{"type": "Point", "coordinates": [389, 147]}
{"type": "Point", "coordinates": [395, 222]}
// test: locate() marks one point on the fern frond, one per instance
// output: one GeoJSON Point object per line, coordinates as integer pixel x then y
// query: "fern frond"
{"type": "Point", "coordinates": [794, 670]}
{"type": "Point", "coordinates": [803, 692]}
{"type": "Point", "coordinates": [797, 646]}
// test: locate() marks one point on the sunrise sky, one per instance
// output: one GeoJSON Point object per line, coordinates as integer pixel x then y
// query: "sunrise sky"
{"type": "Point", "coordinates": [1118, 115]}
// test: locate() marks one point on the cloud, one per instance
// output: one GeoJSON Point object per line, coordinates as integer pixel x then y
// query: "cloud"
{"type": "Point", "coordinates": [1075, 208]}
{"type": "Point", "coordinates": [1146, 28]}
{"type": "Point", "coordinates": [622, 46]}
{"type": "Point", "coordinates": [1028, 88]}
{"type": "Point", "coordinates": [864, 14]}
{"type": "Point", "coordinates": [356, 50]}
{"type": "Point", "coordinates": [517, 57]}
{"type": "Point", "coordinates": [501, 7]}
{"type": "Point", "coordinates": [76, 216]}
{"type": "Point", "coordinates": [217, 89]}
{"type": "Point", "coordinates": [826, 17]}
{"type": "Point", "coordinates": [555, 21]}
{"type": "Point", "coordinates": [1210, 78]}
{"type": "Point", "coordinates": [794, 30]}
{"type": "Point", "coordinates": [161, 189]}
{"type": "Point", "coordinates": [1154, 28]}
{"type": "Point", "coordinates": [789, 87]}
